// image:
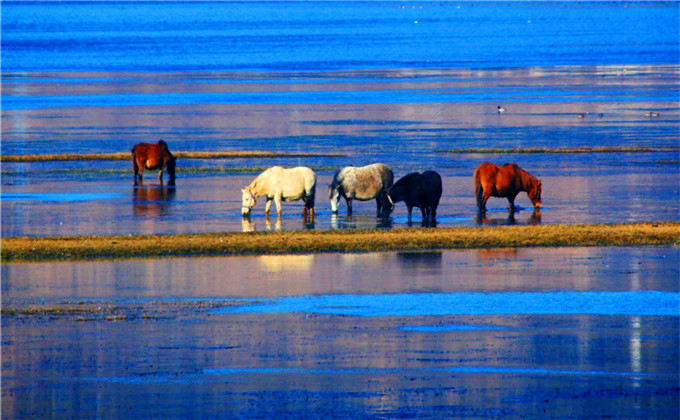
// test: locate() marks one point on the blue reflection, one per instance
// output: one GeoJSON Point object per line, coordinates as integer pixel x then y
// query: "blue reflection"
{"type": "Point", "coordinates": [651, 303]}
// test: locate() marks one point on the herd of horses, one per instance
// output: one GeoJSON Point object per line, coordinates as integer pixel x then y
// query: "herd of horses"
{"type": "Point", "coordinates": [372, 182]}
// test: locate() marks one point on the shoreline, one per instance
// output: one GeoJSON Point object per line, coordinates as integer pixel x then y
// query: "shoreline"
{"type": "Point", "coordinates": [83, 248]}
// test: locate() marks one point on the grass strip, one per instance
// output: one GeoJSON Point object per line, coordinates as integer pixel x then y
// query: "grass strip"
{"type": "Point", "coordinates": [563, 150]}
{"type": "Point", "coordinates": [26, 249]}
{"type": "Point", "coordinates": [198, 170]}
{"type": "Point", "coordinates": [180, 155]}
{"type": "Point", "coordinates": [80, 311]}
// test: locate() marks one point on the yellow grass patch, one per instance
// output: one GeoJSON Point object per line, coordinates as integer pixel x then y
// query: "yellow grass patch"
{"type": "Point", "coordinates": [525, 150]}
{"type": "Point", "coordinates": [24, 249]}
{"type": "Point", "coordinates": [180, 155]}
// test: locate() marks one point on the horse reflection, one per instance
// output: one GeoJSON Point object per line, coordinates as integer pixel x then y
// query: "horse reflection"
{"type": "Point", "coordinates": [534, 219]}
{"type": "Point", "coordinates": [152, 201]}
{"type": "Point", "coordinates": [247, 225]}
{"type": "Point", "coordinates": [421, 261]}
{"type": "Point", "coordinates": [358, 221]}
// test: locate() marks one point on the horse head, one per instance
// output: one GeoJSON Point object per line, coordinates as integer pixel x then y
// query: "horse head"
{"type": "Point", "coordinates": [172, 162]}
{"type": "Point", "coordinates": [247, 201]}
{"type": "Point", "coordinates": [334, 196]}
{"type": "Point", "coordinates": [535, 193]}
{"type": "Point", "coordinates": [387, 204]}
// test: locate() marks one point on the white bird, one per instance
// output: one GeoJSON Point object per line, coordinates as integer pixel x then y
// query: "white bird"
{"type": "Point", "coordinates": [501, 109]}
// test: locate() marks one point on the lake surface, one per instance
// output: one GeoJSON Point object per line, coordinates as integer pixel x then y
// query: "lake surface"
{"type": "Point", "coordinates": [516, 333]}
{"type": "Point", "coordinates": [567, 332]}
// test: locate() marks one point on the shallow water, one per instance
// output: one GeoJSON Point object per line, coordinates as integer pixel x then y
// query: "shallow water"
{"type": "Point", "coordinates": [528, 332]}
{"type": "Point", "coordinates": [568, 332]}
{"type": "Point", "coordinates": [210, 204]}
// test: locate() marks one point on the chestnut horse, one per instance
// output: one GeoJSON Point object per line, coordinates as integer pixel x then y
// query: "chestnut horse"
{"type": "Point", "coordinates": [153, 157]}
{"type": "Point", "coordinates": [505, 181]}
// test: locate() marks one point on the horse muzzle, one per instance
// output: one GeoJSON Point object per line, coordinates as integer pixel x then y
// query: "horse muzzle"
{"type": "Point", "coordinates": [537, 205]}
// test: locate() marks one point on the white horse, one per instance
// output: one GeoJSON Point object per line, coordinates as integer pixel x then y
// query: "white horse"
{"type": "Point", "coordinates": [363, 184]}
{"type": "Point", "coordinates": [281, 184]}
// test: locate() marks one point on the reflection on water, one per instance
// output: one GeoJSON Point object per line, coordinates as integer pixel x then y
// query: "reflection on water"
{"type": "Point", "coordinates": [152, 200]}
{"type": "Point", "coordinates": [524, 329]}
{"type": "Point", "coordinates": [357, 220]}
{"type": "Point", "coordinates": [534, 219]}
{"type": "Point", "coordinates": [278, 263]}
{"type": "Point", "coordinates": [212, 204]}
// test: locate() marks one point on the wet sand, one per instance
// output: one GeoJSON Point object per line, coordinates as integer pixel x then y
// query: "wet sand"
{"type": "Point", "coordinates": [454, 333]}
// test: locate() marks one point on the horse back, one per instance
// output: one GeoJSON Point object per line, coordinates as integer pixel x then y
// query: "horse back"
{"type": "Point", "coordinates": [152, 156]}
{"type": "Point", "coordinates": [431, 187]}
{"type": "Point", "coordinates": [372, 180]}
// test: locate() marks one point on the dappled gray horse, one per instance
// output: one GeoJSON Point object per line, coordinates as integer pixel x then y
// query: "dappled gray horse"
{"type": "Point", "coordinates": [362, 183]}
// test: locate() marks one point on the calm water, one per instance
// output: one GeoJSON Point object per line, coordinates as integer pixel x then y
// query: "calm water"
{"type": "Point", "coordinates": [487, 333]}
{"type": "Point", "coordinates": [566, 332]}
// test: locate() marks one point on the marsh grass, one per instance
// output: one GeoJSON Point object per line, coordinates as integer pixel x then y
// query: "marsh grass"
{"type": "Point", "coordinates": [106, 311]}
{"type": "Point", "coordinates": [26, 249]}
{"type": "Point", "coordinates": [186, 170]}
{"type": "Point", "coordinates": [179, 155]}
{"type": "Point", "coordinates": [562, 150]}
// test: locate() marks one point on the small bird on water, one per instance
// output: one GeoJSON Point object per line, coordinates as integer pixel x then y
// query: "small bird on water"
{"type": "Point", "coordinates": [652, 114]}
{"type": "Point", "coordinates": [501, 109]}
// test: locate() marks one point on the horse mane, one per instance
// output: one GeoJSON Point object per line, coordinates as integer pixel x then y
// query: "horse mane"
{"type": "Point", "coordinates": [258, 183]}
{"type": "Point", "coordinates": [527, 179]}
{"type": "Point", "coordinates": [401, 184]}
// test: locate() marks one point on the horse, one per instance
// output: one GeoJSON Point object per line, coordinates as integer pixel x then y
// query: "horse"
{"type": "Point", "coordinates": [416, 190]}
{"type": "Point", "coordinates": [153, 157]}
{"type": "Point", "coordinates": [281, 184]}
{"type": "Point", "coordinates": [362, 183]}
{"type": "Point", "coordinates": [505, 181]}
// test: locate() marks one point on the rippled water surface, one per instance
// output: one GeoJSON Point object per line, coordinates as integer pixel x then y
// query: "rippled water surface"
{"type": "Point", "coordinates": [567, 332]}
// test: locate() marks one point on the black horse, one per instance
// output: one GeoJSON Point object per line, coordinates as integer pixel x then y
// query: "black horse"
{"type": "Point", "coordinates": [416, 190]}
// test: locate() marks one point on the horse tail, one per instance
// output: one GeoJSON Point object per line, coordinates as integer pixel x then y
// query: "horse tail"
{"type": "Point", "coordinates": [479, 191]}
{"type": "Point", "coordinates": [135, 167]}
{"type": "Point", "coordinates": [310, 189]}
{"type": "Point", "coordinates": [388, 178]}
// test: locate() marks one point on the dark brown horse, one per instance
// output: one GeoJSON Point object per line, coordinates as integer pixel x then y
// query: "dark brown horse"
{"type": "Point", "coordinates": [416, 190]}
{"type": "Point", "coordinates": [505, 181]}
{"type": "Point", "coordinates": [153, 157]}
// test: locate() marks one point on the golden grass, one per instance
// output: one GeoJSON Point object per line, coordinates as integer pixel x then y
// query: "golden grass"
{"type": "Point", "coordinates": [26, 249]}
{"type": "Point", "coordinates": [180, 155]}
{"type": "Point", "coordinates": [527, 150]}
{"type": "Point", "coordinates": [110, 311]}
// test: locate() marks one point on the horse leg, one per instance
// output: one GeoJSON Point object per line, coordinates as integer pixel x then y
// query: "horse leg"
{"type": "Point", "coordinates": [160, 176]}
{"type": "Point", "coordinates": [349, 206]}
{"type": "Point", "coordinates": [485, 198]}
{"type": "Point", "coordinates": [267, 207]}
{"type": "Point", "coordinates": [277, 201]}
{"type": "Point", "coordinates": [379, 202]}
{"type": "Point", "coordinates": [309, 205]}
{"type": "Point", "coordinates": [410, 209]}
{"type": "Point", "coordinates": [511, 200]}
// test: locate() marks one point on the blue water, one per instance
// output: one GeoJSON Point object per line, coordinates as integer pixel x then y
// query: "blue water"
{"type": "Point", "coordinates": [636, 303]}
{"type": "Point", "coordinates": [290, 36]}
